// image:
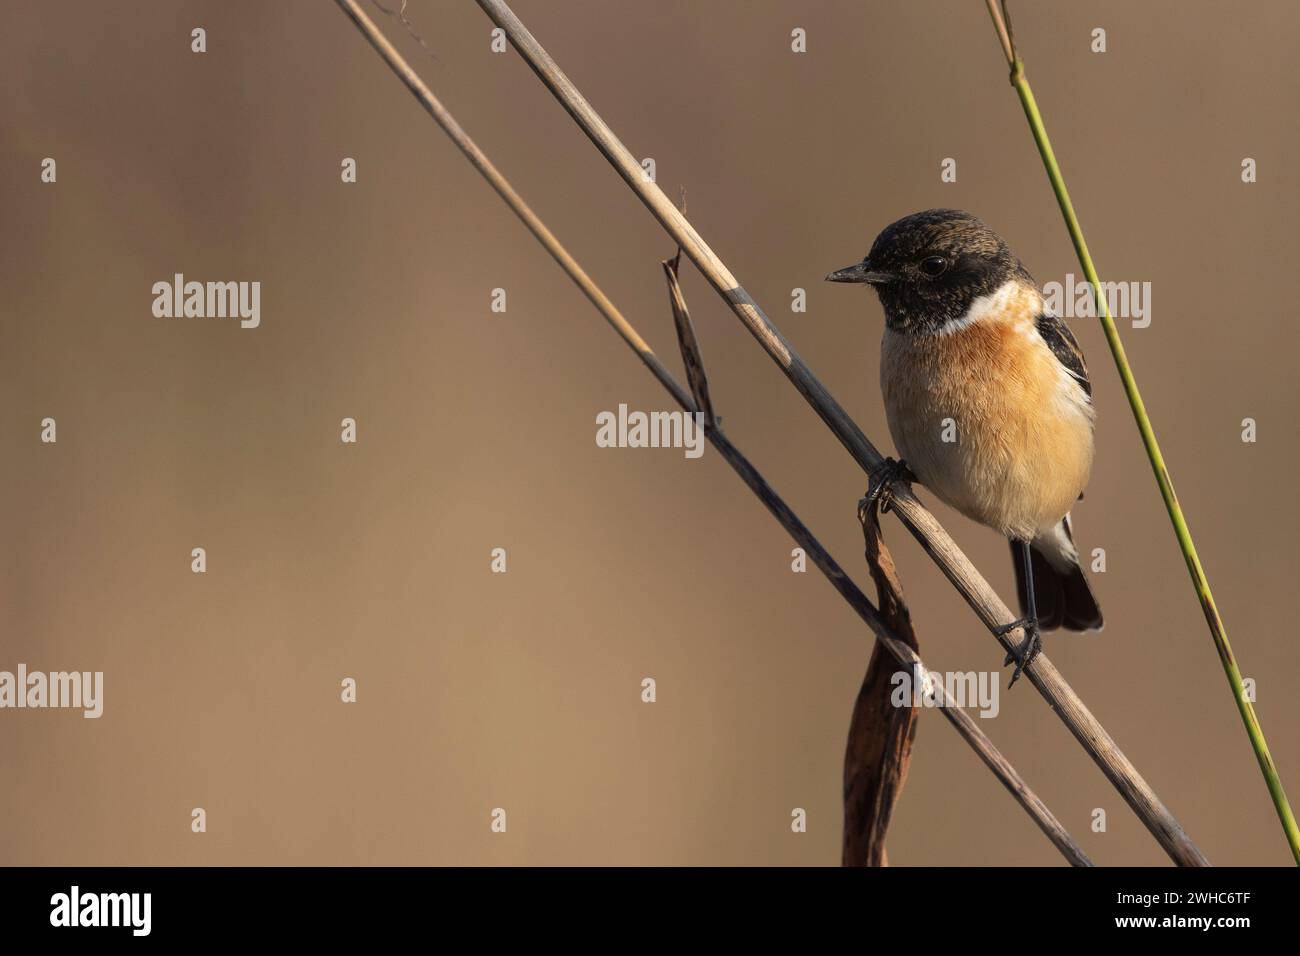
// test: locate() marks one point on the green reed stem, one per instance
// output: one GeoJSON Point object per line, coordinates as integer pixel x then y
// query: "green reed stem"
{"type": "Point", "coordinates": [1199, 581]}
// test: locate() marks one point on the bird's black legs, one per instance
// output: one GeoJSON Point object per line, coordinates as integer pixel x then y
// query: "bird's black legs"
{"type": "Point", "coordinates": [879, 489]}
{"type": "Point", "coordinates": [1033, 642]}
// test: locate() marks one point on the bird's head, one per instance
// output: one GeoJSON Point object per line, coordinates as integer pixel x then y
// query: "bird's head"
{"type": "Point", "coordinates": [930, 266]}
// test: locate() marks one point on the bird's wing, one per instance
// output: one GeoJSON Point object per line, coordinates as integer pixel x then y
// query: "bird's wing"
{"type": "Point", "coordinates": [1061, 341]}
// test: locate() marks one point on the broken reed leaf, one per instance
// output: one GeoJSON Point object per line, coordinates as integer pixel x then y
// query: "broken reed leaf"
{"type": "Point", "coordinates": [881, 736]}
{"type": "Point", "coordinates": [690, 348]}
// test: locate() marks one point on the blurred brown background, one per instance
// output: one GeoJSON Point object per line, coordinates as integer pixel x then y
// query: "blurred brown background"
{"type": "Point", "coordinates": [522, 691]}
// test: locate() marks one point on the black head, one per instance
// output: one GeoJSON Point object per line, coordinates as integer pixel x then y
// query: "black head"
{"type": "Point", "coordinates": [928, 267]}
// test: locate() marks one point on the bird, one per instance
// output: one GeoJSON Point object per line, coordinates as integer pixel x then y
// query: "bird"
{"type": "Point", "coordinates": [988, 402]}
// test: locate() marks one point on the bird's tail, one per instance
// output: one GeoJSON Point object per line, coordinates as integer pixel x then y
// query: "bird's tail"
{"type": "Point", "coordinates": [1061, 591]}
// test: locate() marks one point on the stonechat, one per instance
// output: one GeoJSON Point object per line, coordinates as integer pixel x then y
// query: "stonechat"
{"type": "Point", "coordinates": [988, 402]}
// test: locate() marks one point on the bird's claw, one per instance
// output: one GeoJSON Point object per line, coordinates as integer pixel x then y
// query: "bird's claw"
{"type": "Point", "coordinates": [880, 487]}
{"type": "Point", "coordinates": [1024, 655]}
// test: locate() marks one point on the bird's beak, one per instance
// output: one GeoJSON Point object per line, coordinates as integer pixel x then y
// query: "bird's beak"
{"type": "Point", "coordinates": [862, 272]}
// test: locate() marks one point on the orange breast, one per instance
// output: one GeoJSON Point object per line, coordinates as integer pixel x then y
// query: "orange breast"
{"type": "Point", "coordinates": [990, 421]}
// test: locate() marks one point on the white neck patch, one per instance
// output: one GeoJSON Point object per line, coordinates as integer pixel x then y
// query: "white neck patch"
{"type": "Point", "coordinates": [1009, 302]}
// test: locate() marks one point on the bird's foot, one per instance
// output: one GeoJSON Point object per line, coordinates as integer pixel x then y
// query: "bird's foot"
{"type": "Point", "coordinates": [1023, 655]}
{"type": "Point", "coordinates": [880, 487]}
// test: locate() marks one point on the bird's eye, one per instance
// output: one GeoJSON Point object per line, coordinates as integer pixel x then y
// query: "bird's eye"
{"type": "Point", "coordinates": [933, 266]}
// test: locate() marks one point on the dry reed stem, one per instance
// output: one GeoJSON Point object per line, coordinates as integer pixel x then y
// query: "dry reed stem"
{"type": "Point", "coordinates": [919, 521]}
{"type": "Point", "coordinates": [962, 721]}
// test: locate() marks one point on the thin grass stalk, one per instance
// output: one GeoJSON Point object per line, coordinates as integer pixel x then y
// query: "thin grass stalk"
{"type": "Point", "coordinates": [931, 535]}
{"type": "Point", "coordinates": [1201, 583]}
{"type": "Point", "coordinates": [842, 583]}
